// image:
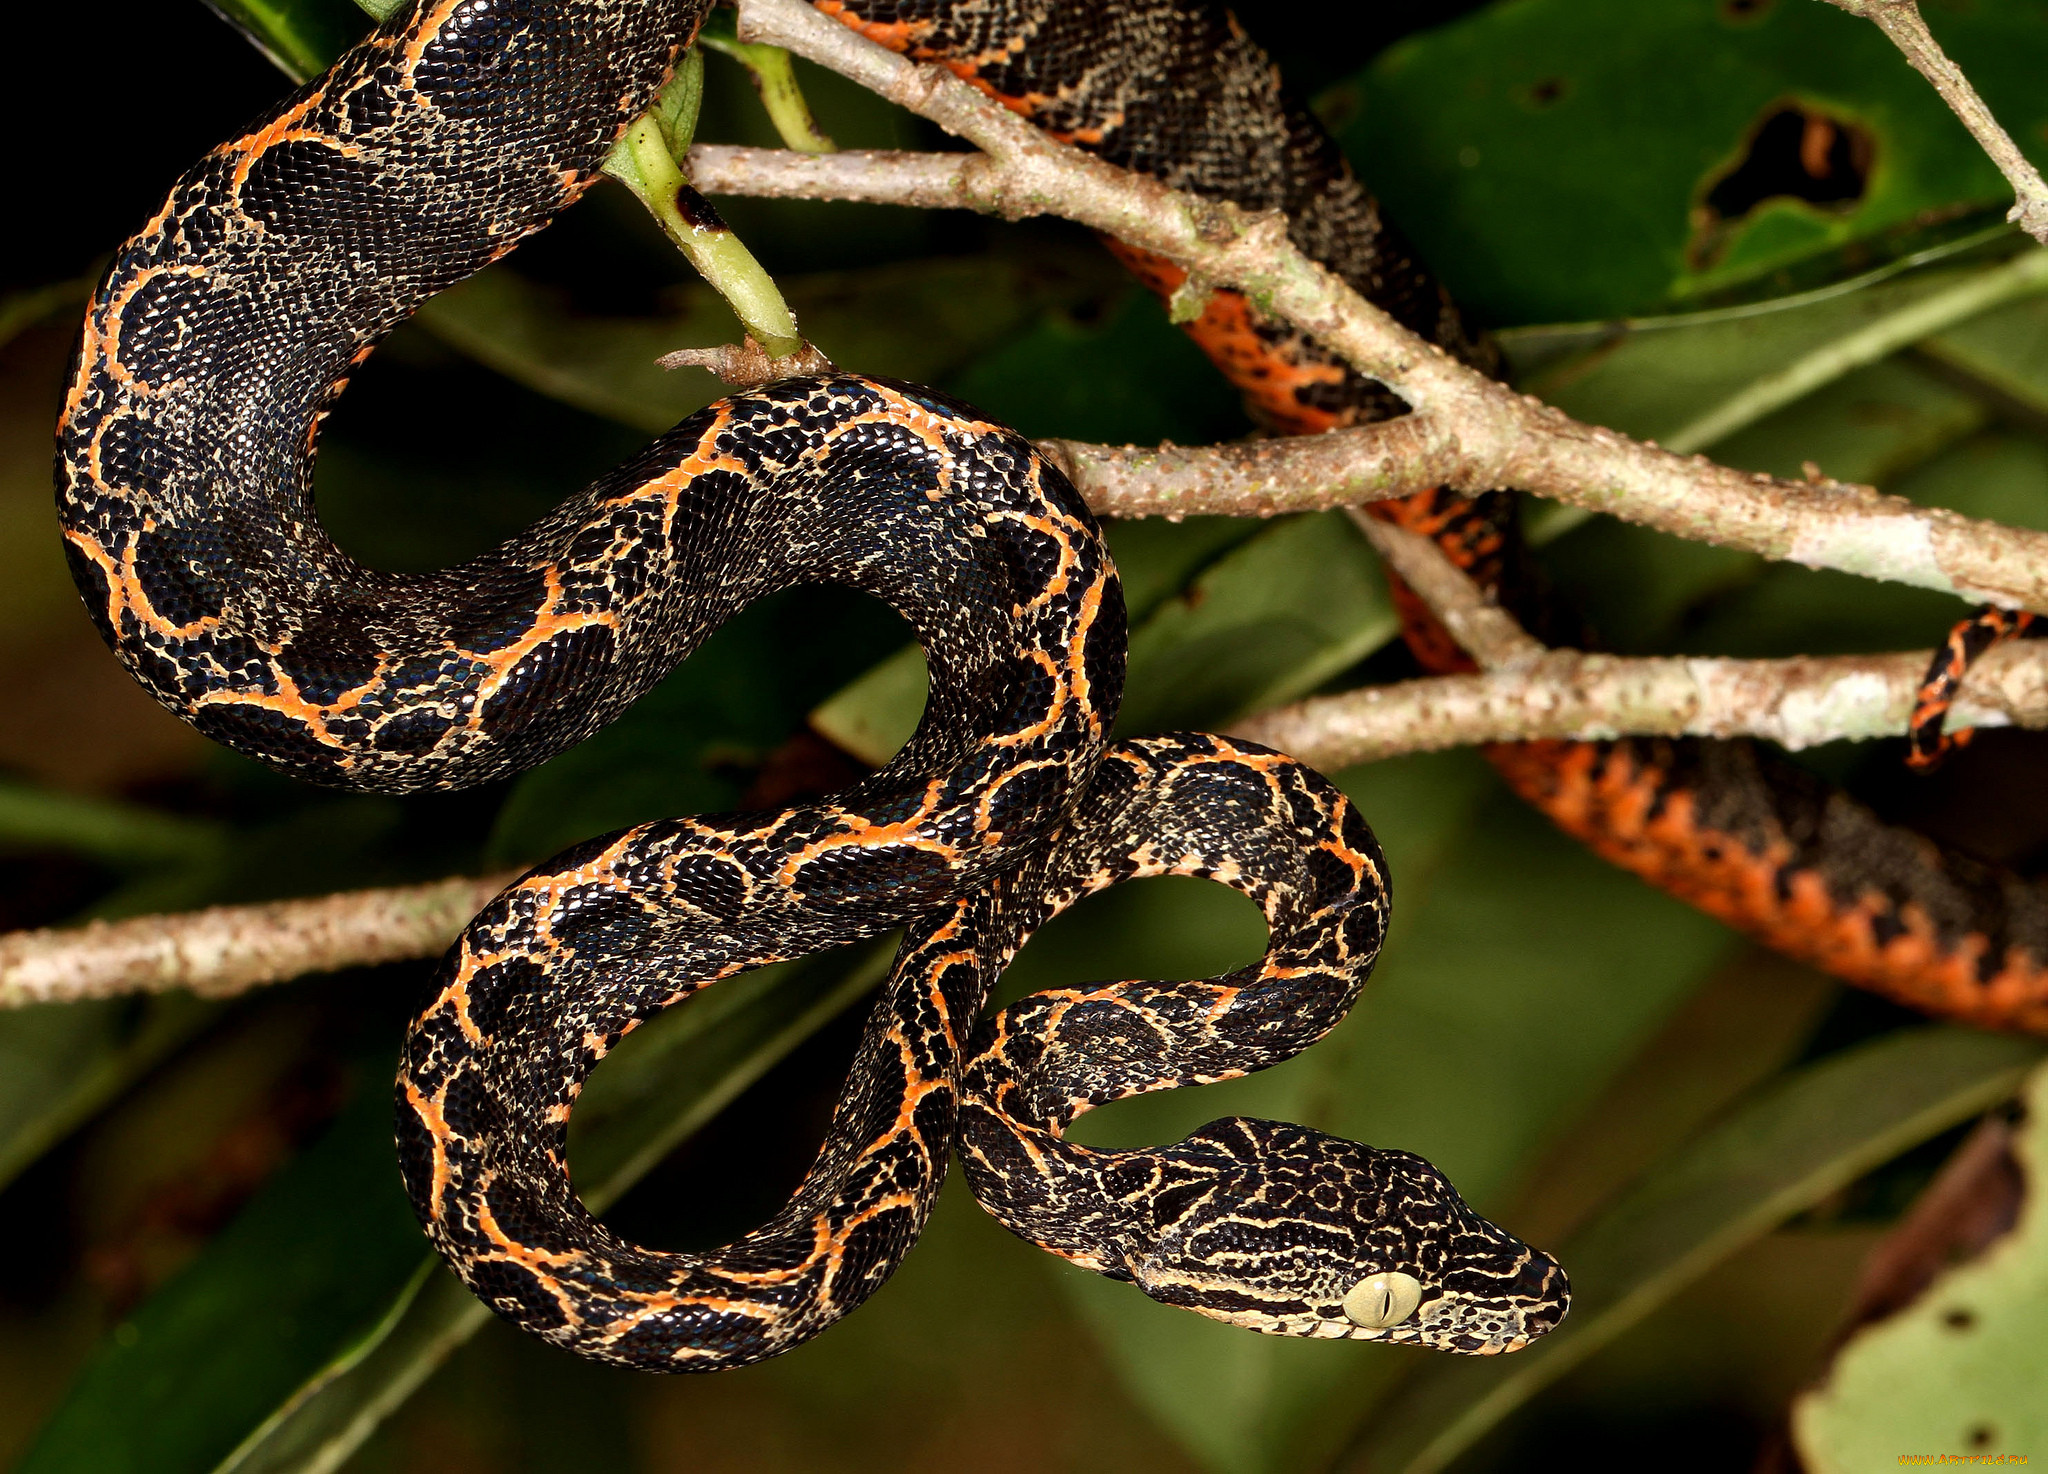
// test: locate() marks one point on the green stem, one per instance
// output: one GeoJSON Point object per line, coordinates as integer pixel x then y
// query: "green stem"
{"type": "Point", "coordinates": [775, 79]}
{"type": "Point", "coordinates": [645, 162]}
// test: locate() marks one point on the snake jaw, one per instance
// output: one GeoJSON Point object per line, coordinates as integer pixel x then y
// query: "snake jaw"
{"type": "Point", "coordinates": [1293, 1232]}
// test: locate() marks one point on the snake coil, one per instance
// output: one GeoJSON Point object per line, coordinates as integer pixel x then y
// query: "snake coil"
{"type": "Point", "coordinates": [211, 352]}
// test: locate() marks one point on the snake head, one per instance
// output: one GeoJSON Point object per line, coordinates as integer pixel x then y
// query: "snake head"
{"type": "Point", "coordinates": [1293, 1232]}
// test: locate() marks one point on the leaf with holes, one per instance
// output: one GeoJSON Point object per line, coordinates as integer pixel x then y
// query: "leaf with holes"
{"type": "Point", "coordinates": [1560, 160]}
{"type": "Point", "coordinates": [1958, 1370]}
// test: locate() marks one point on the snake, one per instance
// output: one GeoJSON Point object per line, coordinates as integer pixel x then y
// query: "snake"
{"type": "Point", "coordinates": [212, 351]}
{"type": "Point", "coordinates": [1180, 92]}
{"type": "Point", "coordinates": [224, 329]}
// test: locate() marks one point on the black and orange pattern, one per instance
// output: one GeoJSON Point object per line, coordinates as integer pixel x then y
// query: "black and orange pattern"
{"type": "Point", "coordinates": [1928, 739]}
{"type": "Point", "coordinates": [1256, 1223]}
{"type": "Point", "coordinates": [212, 351]}
{"type": "Point", "coordinates": [1178, 91]}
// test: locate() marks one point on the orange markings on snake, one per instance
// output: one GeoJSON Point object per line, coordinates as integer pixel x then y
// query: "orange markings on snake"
{"type": "Point", "coordinates": [407, 168]}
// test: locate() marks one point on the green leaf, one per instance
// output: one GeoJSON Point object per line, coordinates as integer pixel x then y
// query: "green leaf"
{"type": "Point", "coordinates": [300, 37]}
{"type": "Point", "coordinates": [309, 1262]}
{"type": "Point", "coordinates": [317, 1311]}
{"type": "Point", "coordinates": [61, 1064]}
{"type": "Point", "coordinates": [1552, 158]}
{"type": "Point", "coordinates": [125, 835]}
{"type": "Point", "coordinates": [1521, 974]}
{"type": "Point", "coordinates": [1960, 1368]}
{"type": "Point", "coordinates": [1997, 475]}
{"type": "Point", "coordinates": [2005, 352]}
{"type": "Point", "coordinates": [1125, 376]}
{"type": "Point", "coordinates": [1867, 427]}
{"type": "Point", "coordinates": [874, 714]}
{"type": "Point", "coordinates": [1278, 616]}
{"type": "Point", "coordinates": [1692, 382]}
{"type": "Point", "coordinates": [1810, 1134]}
{"type": "Point", "coordinates": [1754, 1018]}
{"type": "Point", "coordinates": [691, 744]}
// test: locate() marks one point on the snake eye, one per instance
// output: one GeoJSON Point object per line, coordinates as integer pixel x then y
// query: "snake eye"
{"type": "Point", "coordinates": [1382, 1300]}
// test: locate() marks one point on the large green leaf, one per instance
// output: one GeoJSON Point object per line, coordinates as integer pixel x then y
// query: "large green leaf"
{"type": "Point", "coordinates": [1552, 158]}
{"type": "Point", "coordinates": [1691, 382]}
{"type": "Point", "coordinates": [1998, 475]}
{"type": "Point", "coordinates": [176, 1386]}
{"type": "Point", "coordinates": [124, 835]}
{"type": "Point", "coordinates": [1814, 1132]}
{"type": "Point", "coordinates": [1288, 610]}
{"type": "Point", "coordinates": [1755, 1016]}
{"type": "Point", "coordinates": [1958, 1370]}
{"type": "Point", "coordinates": [1128, 376]}
{"type": "Point", "coordinates": [317, 1311]}
{"type": "Point", "coordinates": [2006, 352]}
{"type": "Point", "coordinates": [60, 1064]}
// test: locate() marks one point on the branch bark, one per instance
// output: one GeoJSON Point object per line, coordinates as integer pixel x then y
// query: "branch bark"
{"type": "Point", "coordinates": [1578, 697]}
{"type": "Point", "coordinates": [229, 949]}
{"type": "Point", "coordinates": [1484, 630]}
{"type": "Point", "coordinates": [1466, 431]}
{"type": "Point", "coordinates": [1902, 22]}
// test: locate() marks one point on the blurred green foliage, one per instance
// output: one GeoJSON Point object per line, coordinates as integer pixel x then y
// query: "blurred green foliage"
{"type": "Point", "coordinates": [209, 1265]}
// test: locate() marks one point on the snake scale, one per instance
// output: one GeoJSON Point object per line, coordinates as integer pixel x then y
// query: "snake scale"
{"type": "Point", "coordinates": [224, 329]}
{"type": "Point", "coordinates": [211, 352]}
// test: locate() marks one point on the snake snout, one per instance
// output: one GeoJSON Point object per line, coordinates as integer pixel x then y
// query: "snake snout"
{"type": "Point", "coordinates": [1294, 1232]}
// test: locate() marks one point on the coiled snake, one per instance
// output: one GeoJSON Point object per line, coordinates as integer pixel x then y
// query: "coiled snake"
{"type": "Point", "coordinates": [211, 351]}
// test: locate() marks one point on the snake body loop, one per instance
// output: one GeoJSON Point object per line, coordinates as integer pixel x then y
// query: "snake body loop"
{"type": "Point", "coordinates": [223, 331]}
{"type": "Point", "coordinates": [212, 350]}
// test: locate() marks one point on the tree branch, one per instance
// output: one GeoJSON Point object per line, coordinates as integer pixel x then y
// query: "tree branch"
{"type": "Point", "coordinates": [1901, 20]}
{"type": "Point", "coordinates": [1558, 694]}
{"type": "Point", "coordinates": [1466, 431]}
{"type": "Point", "coordinates": [1484, 630]}
{"type": "Point", "coordinates": [229, 949]}
{"type": "Point", "coordinates": [1577, 697]}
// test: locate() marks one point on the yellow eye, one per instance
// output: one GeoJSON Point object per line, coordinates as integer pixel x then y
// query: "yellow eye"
{"type": "Point", "coordinates": [1382, 1300]}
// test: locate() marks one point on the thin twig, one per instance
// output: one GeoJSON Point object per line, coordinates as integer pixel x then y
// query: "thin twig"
{"type": "Point", "coordinates": [230, 949]}
{"type": "Point", "coordinates": [1578, 697]}
{"type": "Point", "coordinates": [1465, 431]}
{"type": "Point", "coordinates": [1901, 20]}
{"type": "Point", "coordinates": [1483, 630]}
{"type": "Point", "coordinates": [880, 176]}
{"type": "Point", "coordinates": [747, 365]}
